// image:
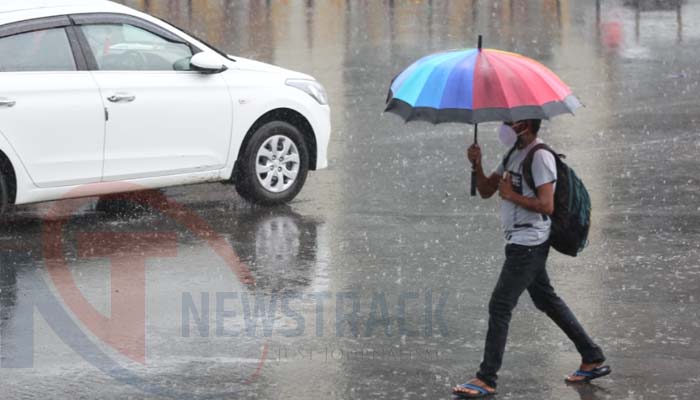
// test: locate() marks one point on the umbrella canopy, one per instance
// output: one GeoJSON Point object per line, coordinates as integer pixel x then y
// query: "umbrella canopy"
{"type": "Point", "coordinates": [478, 85]}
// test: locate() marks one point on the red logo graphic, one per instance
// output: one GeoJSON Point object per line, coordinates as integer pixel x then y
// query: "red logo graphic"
{"type": "Point", "coordinates": [125, 329]}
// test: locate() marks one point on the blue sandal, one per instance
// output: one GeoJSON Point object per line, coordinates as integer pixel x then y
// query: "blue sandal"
{"type": "Point", "coordinates": [482, 392]}
{"type": "Point", "coordinates": [588, 376]}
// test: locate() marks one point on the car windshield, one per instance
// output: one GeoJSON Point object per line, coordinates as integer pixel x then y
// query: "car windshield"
{"type": "Point", "coordinates": [223, 53]}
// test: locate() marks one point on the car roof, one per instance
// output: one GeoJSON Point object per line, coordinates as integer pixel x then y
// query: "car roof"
{"type": "Point", "coordinates": [19, 10]}
{"type": "Point", "coordinates": [22, 5]}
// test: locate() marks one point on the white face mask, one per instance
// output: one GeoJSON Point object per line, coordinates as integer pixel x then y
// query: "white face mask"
{"type": "Point", "coordinates": [507, 135]}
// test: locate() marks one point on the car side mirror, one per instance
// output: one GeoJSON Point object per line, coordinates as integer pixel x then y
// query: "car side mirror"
{"type": "Point", "coordinates": [207, 63]}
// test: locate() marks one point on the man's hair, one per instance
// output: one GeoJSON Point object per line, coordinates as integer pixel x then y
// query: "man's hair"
{"type": "Point", "coordinates": [535, 125]}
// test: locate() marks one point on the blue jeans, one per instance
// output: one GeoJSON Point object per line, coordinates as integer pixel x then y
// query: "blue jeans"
{"type": "Point", "coordinates": [524, 268]}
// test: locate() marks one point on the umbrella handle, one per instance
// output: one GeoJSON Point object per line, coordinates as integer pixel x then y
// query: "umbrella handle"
{"type": "Point", "coordinates": [473, 183]}
{"type": "Point", "coordinates": [476, 137]}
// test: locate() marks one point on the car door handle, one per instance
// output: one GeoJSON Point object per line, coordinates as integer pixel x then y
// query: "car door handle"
{"type": "Point", "coordinates": [7, 102]}
{"type": "Point", "coordinates": [121, 98]}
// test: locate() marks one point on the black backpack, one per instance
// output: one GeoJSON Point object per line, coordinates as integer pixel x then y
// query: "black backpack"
{"type": "Point", "coordinates": [571, 220]}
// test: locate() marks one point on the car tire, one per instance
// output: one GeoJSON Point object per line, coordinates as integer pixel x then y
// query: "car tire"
{"type": "Point", "coordinates": [273, 166]}
{"type": "Point", "coordinates": [4, 196]}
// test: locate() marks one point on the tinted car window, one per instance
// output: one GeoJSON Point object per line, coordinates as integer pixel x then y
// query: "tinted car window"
{"type": "Point", "coordinates": [44, 50]}
{"type": "Point", "coordinates": [122, 47]}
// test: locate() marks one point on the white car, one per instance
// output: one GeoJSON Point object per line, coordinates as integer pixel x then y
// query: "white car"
{"type": "Point", "coordinates": [93, 93]}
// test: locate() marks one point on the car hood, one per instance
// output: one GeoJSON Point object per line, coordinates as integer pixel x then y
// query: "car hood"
{"type": "Point", "coordinates": [252, 65]}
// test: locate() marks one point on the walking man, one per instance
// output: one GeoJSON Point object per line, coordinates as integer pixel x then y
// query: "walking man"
{"type": "Point", "coordinates": [525, 213]}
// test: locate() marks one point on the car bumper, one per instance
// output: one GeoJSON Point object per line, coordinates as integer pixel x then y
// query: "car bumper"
{"type": "Point", "coordinates": [322, 129]}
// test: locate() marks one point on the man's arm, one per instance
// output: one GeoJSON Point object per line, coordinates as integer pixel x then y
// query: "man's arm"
{"type": "Point", "coordinates": [544, 174]}
{"type": "Point", "coordinates": [542, 204]}
{"type": "Point", "coordinates": [487, 185]}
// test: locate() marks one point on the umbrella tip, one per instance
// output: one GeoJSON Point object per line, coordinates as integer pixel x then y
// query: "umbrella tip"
{"type": "Point", "coordinates": [480, 41]}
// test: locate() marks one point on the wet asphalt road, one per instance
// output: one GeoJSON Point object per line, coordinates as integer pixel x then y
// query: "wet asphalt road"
{"type": "Point", "coordinates": [374, 282]}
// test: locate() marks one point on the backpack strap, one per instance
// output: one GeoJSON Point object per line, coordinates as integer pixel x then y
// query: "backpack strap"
{"type": "Point", "coordinates": [507, 158]}
{"type": "Point", "coordinates": [527, 163]}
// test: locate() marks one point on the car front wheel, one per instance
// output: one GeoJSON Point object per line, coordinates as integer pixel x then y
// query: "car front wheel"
{"type": "Point", "coordinates": [4, 196]}
{"type": "Point", "coordinates": [274, 164]}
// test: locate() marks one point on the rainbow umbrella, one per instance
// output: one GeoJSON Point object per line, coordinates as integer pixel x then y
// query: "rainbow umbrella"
{"type": "Point", "coordinates": [478, 85]}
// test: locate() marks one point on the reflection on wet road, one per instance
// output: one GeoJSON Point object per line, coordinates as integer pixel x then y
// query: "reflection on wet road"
{"type": "Point", "coordinates": [374, 283]}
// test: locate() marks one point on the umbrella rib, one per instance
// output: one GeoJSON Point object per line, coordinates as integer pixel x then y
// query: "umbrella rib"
{"type": "Point", "coordinates": [531, 68]}
{"type": "Point", "coordinates": [506, 63]}
{"type": "Point", "coordinates": [438, 70]}
{"type": "Point", "coordinates": [548, 83]}
{"type": "Point", "coordinates": [469, 90]}
{"type": "Point", "coordinates": [500, 85]}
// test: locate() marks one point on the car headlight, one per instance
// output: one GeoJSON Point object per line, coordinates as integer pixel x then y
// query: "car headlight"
{"type": "Point", "coordinates": [312, 88]}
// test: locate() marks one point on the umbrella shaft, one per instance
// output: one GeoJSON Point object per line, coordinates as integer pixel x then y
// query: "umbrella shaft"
{"type": "Point", "coordinates": [473, 182]}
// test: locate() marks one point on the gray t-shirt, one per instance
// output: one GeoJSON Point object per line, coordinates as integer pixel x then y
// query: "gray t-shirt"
{"type": "Point", "coordinates": [522, 226]}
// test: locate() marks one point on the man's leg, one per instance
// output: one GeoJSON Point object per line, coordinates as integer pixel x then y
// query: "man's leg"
{"type": "Point", "coordinates": [520, 269]}
{"type": "Point", "coordinates": [546, 300]}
